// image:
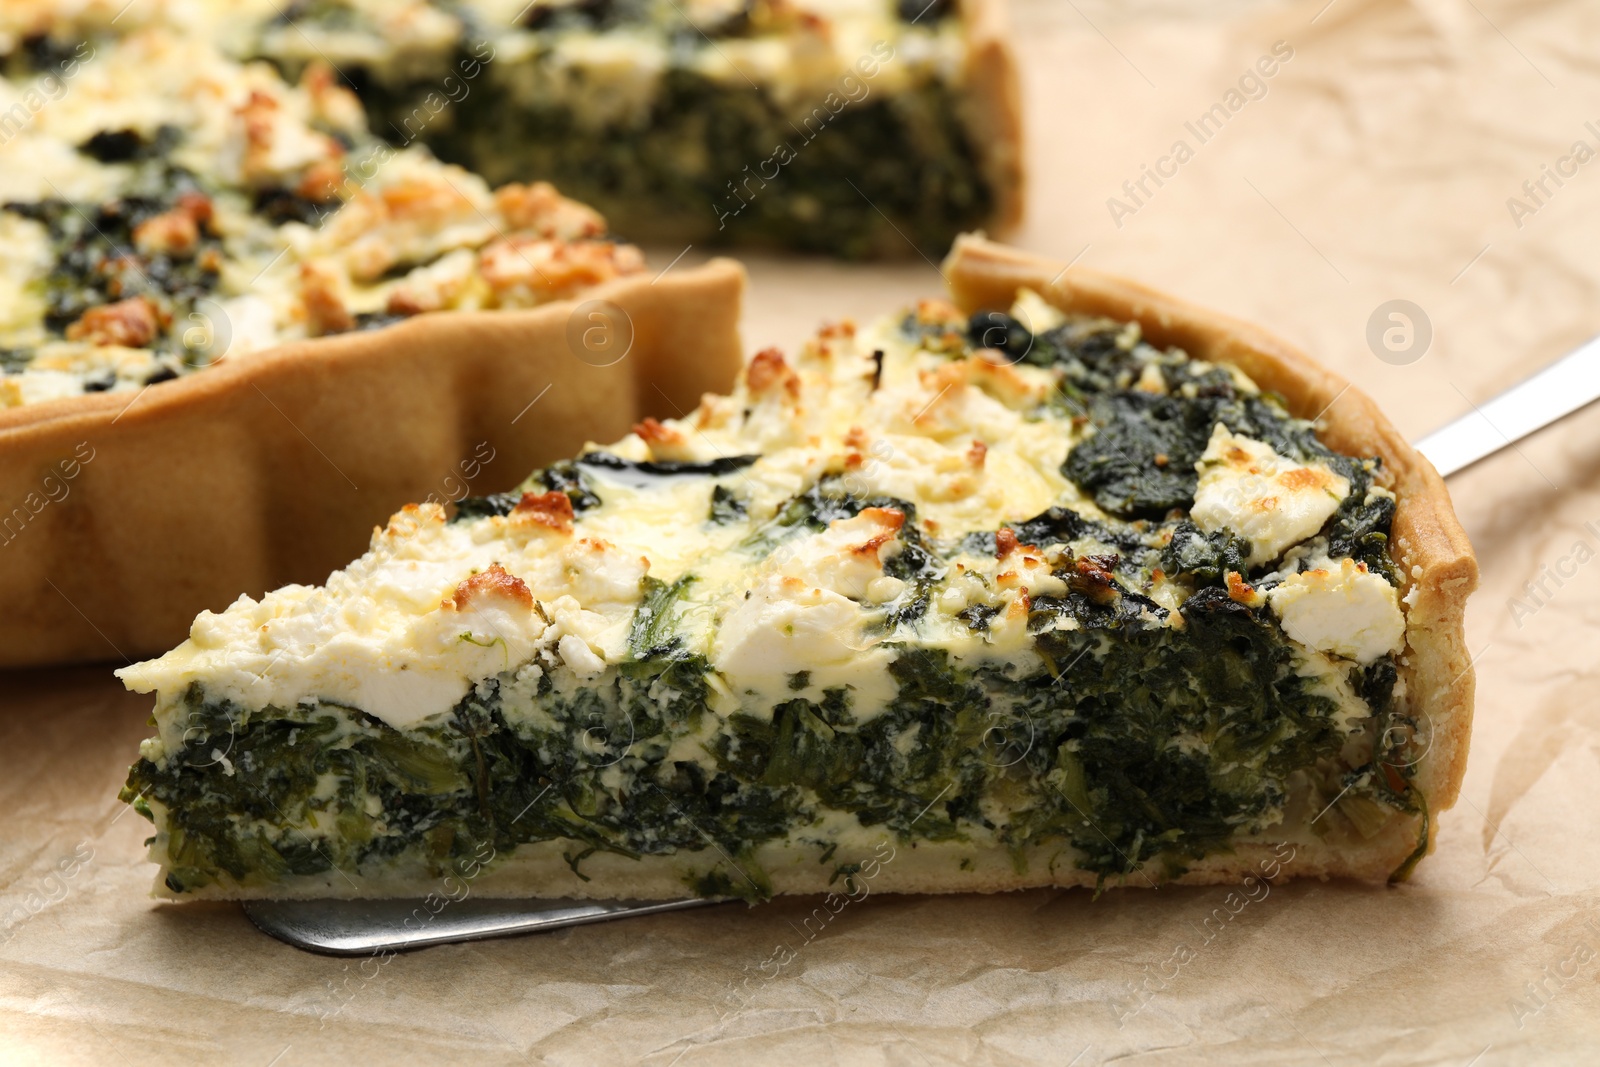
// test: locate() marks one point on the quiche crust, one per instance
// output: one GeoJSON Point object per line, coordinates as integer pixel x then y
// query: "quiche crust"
{"type": "Point", "coordinates": [129, 513]}
{"type": "Point", "coordinates": [1429, 546]}
{"type": "Point", "coordinates": [996, 106]}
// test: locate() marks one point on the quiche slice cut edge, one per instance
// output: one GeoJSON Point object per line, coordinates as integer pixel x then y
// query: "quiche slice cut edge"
{"type": "Point", "coordinates": [916, 103]}
{"type": "Point", "coordinates": [1008, 594]}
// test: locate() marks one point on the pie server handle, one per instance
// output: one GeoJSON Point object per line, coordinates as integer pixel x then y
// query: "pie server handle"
{"type": "Point", "coordinates": [365, 927]}
{"type": "Point", "coordinates": [1570, 383]}
{"type": "Point", "coordinates": [368, 927]}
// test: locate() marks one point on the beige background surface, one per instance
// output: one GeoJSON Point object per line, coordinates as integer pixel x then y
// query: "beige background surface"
{"type": "Point", "coordinates": [1377, 166]}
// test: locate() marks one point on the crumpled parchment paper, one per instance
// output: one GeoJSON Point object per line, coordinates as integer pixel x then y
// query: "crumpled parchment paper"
{"type": "Point", "coordinates": [1383, 159]}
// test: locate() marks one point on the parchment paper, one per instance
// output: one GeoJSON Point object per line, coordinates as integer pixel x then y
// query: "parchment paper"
{"type": "Point", "coordinates": [1376, 166]}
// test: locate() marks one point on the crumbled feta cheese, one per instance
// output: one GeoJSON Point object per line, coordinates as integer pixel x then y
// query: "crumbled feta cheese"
{"type": "Point", "coordinates": [1269, 500]}
{"type": "Point", "coordinates": [576, 653]}
{"type": "Point", "coordinates": [1342, 609]}
{"type": "Point", "coordinates": [1036, 313]}
{"type": "Point", "coordinates": [1151, 380]}
{"type": "Point", "coordinates": [787, 626]}
{"type": "Point", "coordinates": [847, 558]}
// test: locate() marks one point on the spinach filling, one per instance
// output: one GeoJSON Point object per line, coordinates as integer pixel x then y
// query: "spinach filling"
{"type": "Point", "coordinates": [1148, 750]}
{"type": "Point", "coordinates": [644, 472]}
{"type": "Point", "coordinates": [1139, 463]}
{"type": "Point", "coordinates": [917, 563]}
{"type": "Point", "coordinates": [725, 164]}
{"type": "Point", "coordinates": [598, 15]}
{"type": "Point", "coordinates": [447, 787]}
{"type": "Point", "coordinates": [279, 205]}
{"type": "Point", "coordinates": [727, 507]}
{"type": "Point", "coordinates": [564, 476]}
{"type": "Point", "coordinates": [741, 169]}
{"type": "Point", "coordinates": [1142, 748]}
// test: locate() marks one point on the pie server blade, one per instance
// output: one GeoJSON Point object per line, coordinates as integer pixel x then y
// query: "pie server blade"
{"type": "Point", "coordinates": [367, 927]}
{"type": "Point", "coordinates": [364, 927]}
{"type": "Point", "coordinates": [1570, 383]}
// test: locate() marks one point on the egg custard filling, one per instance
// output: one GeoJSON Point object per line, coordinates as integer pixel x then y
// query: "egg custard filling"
{"type": "Point", "coordinates": [1020, 596]}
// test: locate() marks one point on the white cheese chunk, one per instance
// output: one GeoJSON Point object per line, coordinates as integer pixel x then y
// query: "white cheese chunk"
{"type": "Point", "coordinates": [1342, 609]}
{"type": "Point", "coordinates": [1269, 500]}
{"type": "Point", "coordinates": [1036, 313]}
{"type": "Point", "coordinates": [847, 558]}
{"type": "Point", "coordinates": [577, 654]}
{"type": "Point", "coordinates": [785, 627]}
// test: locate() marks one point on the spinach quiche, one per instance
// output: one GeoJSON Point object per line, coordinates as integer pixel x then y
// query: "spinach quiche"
{"type": "Point", "coordinates": [1019, 592]}
{"type": "Point", "coordinates": [164, 206]}
{"type": "Point", "coordinates": [841, 126]}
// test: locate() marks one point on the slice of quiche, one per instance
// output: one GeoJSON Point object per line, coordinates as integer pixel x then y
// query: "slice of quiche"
{"type": "Point", "coordinates": [163, 206]}
{"type": "Point", "coordinates": [1016, 594]}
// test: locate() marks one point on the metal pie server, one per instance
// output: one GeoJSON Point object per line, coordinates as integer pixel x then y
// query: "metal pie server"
{"type": "Point", "coordinates": [1570, 383]}
{"type": "Point", "coordinates": [364, 927]}
{"type": "Point", "coordinates": [370, 927]}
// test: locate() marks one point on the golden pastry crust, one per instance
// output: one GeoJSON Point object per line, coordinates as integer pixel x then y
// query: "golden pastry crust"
{"type": "Point", "coordinates": [996, 106]}
{"type": "Point", "coordinates": [124, 515]}
{"type": "Point", "coordinates": [1428, 544]}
